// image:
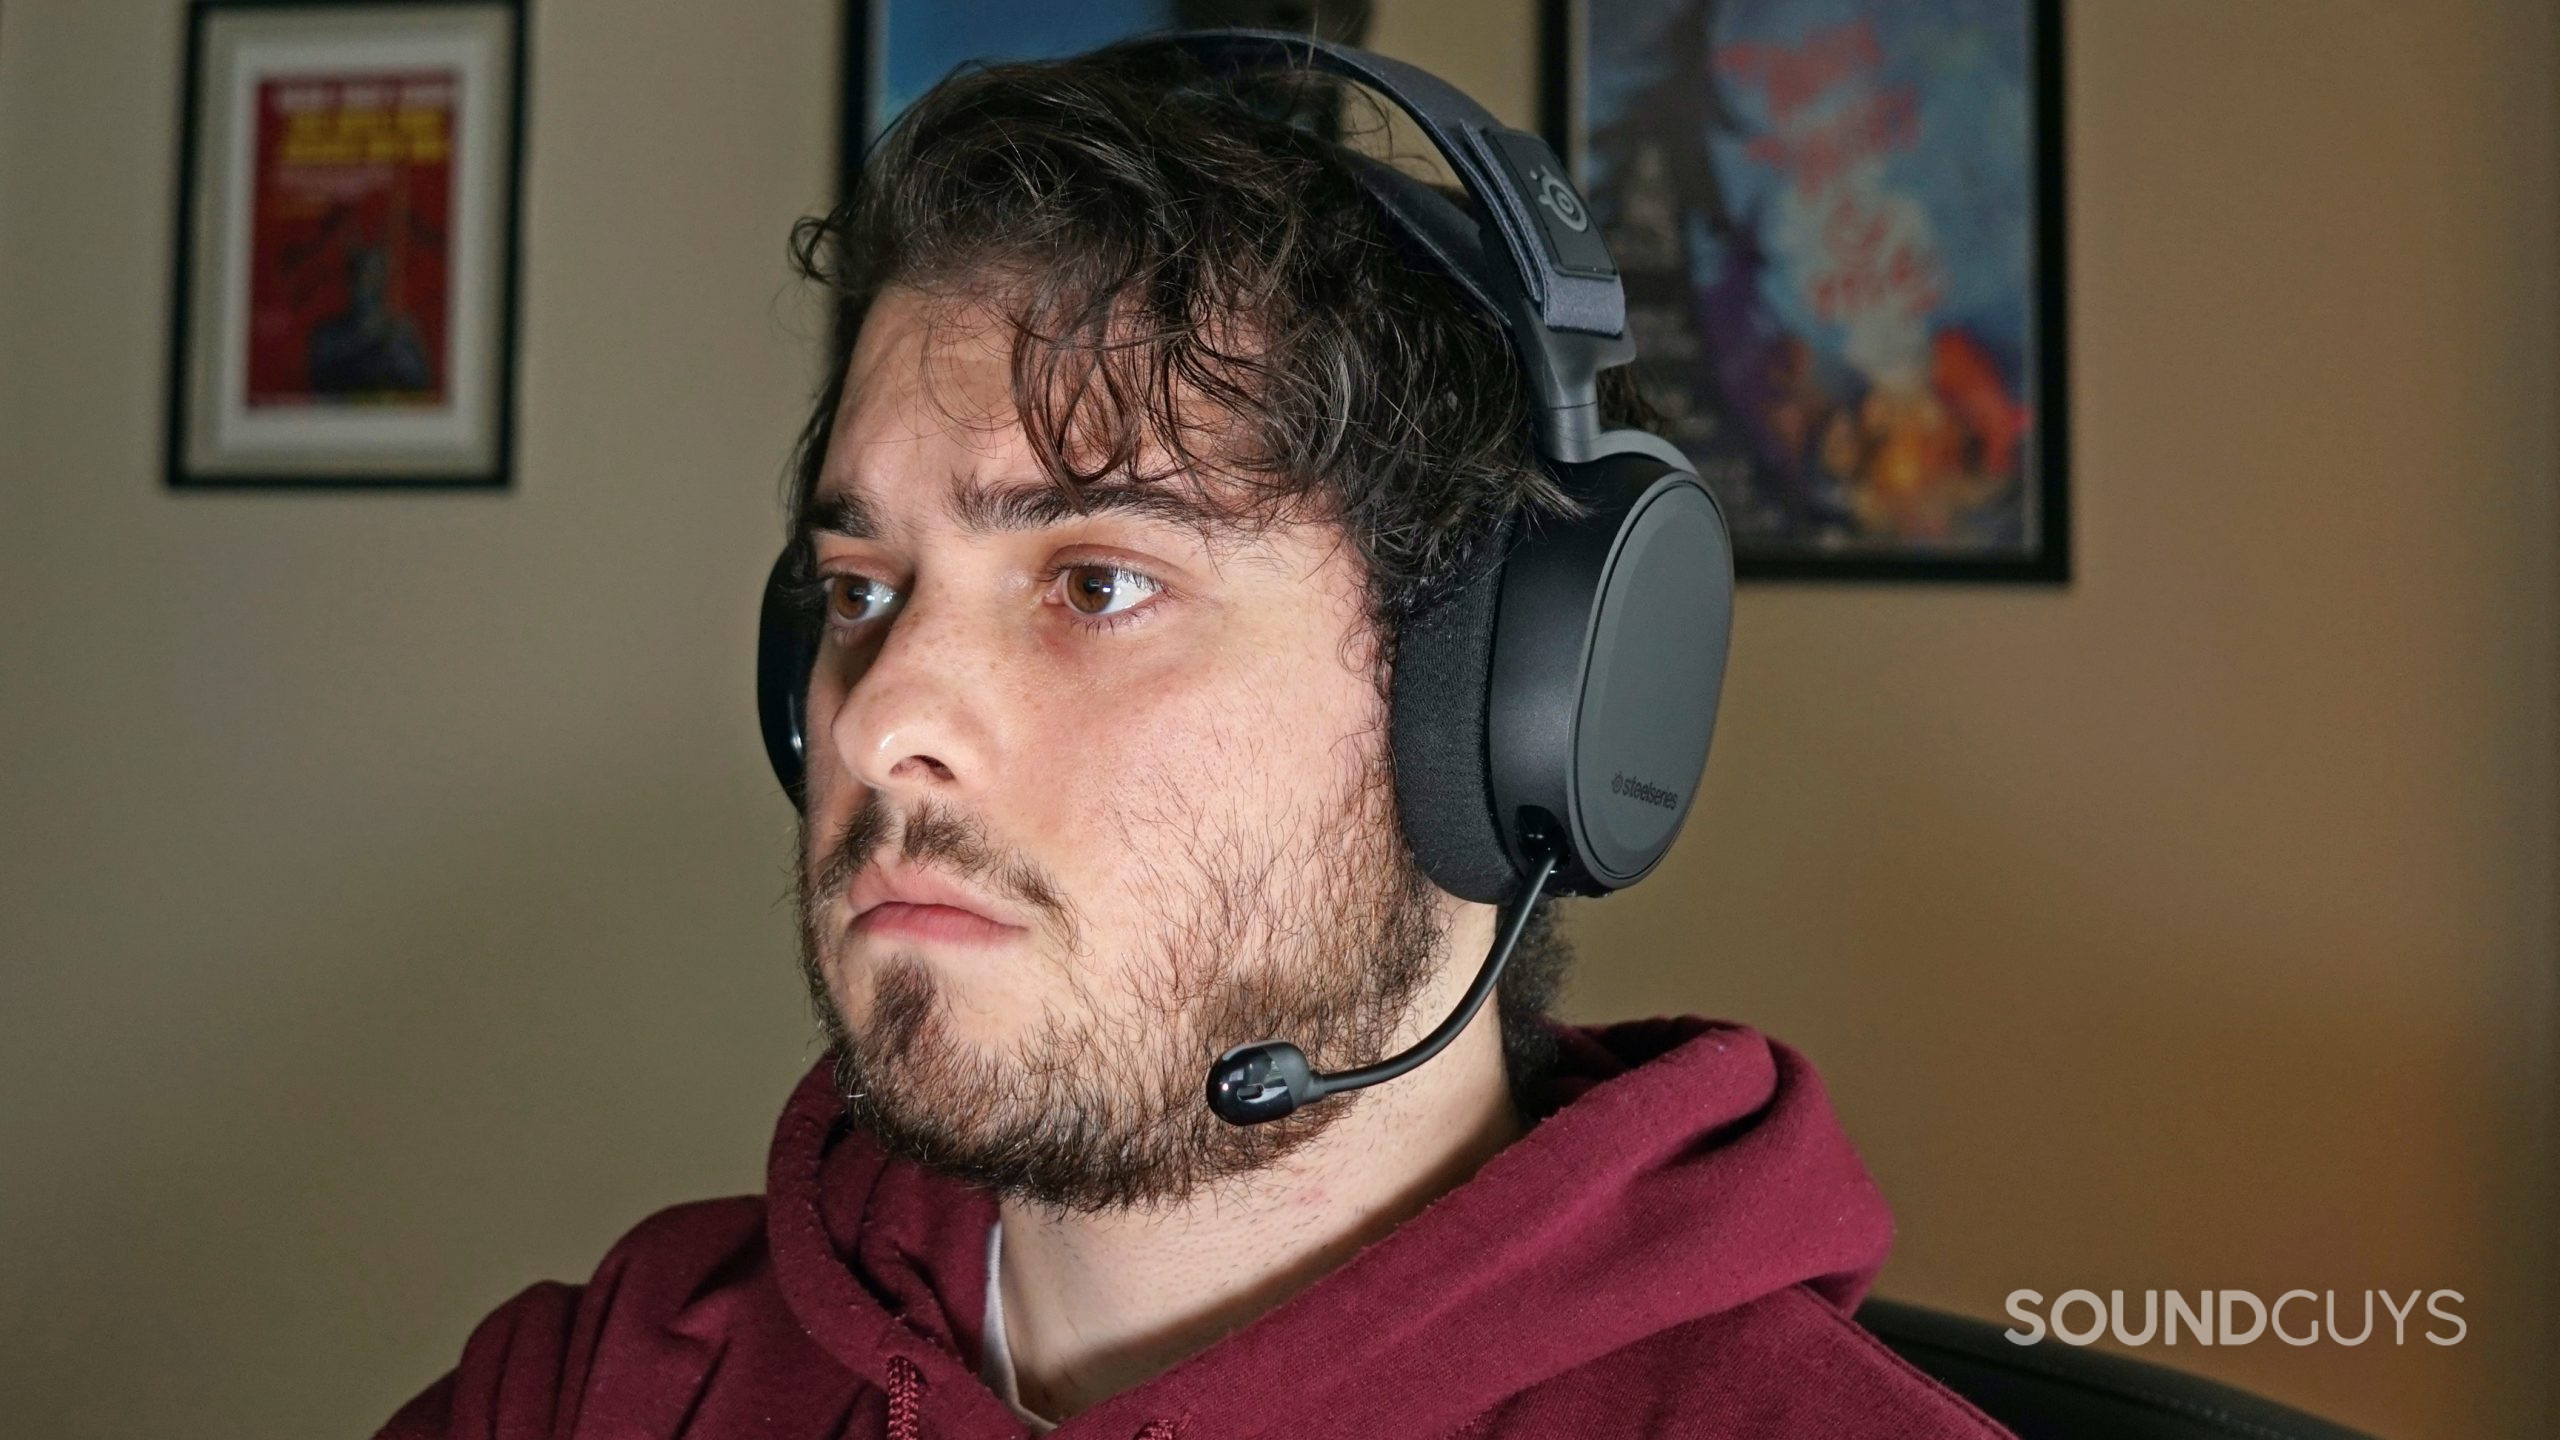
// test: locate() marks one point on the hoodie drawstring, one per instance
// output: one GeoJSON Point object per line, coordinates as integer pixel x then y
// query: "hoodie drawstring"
{"type": "Point", "coordinates": [906, 1393]}
{"type": "Point", "coordinates": [906, 1402]}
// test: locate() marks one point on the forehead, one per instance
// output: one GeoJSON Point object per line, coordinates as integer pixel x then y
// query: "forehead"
{"type": "Point", "coordinates": [922, 368]}
{"type": "Point", "coordinates": [927, 421]}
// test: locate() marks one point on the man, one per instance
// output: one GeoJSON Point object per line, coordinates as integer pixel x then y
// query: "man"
{"type": "Point", "coordinates": [1147, 441]}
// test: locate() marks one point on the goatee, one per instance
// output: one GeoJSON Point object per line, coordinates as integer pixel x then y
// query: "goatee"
{"type": "Point", "coordinates": [1322, 936]}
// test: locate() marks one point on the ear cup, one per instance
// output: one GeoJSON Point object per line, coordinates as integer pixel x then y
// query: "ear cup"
{"type": "Point", "coordinates": [1608, 661]}
{"type": "Point", "coordinates": [786, 649]}
{"type": "Point", "coordinates": [1444, 661]}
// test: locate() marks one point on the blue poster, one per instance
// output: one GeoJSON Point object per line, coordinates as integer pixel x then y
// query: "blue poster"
{"type": "Point", "coordinates": [914, 43]}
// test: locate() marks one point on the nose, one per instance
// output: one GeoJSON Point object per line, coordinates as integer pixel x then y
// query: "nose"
{"type": "Point", "coordinates": [911, 720]}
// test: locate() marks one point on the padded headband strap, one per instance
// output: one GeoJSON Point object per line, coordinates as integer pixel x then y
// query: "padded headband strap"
{"type": "Point", "coordinates": [1519, 181]}
{"type": "Point", "coordinates": [1560, 298]}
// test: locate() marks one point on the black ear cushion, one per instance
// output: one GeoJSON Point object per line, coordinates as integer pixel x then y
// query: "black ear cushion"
{"type": "Point", "coordinates": [1444, 661]}
{"type": "Point", "coordinates": [786, 648]}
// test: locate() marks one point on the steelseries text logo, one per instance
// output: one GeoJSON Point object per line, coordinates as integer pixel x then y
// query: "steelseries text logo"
{"type": "Point", "coordinates": [1635, 789]}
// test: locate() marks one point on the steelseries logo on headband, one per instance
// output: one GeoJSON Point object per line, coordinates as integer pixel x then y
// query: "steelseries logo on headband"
{"type": "Point", "coordinates": [1635, 789]}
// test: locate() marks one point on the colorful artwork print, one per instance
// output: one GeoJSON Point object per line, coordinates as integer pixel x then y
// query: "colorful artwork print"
{"type": "Point", "coordinates": [345, 272]}
{"type": "Point", "coordinates": [350, 240]}
{"type": "Point", "coordinates": [1826, 212]}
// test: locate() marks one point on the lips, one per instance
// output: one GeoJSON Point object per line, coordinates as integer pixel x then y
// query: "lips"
{"type": "Point", "coordinates": [896, 920]}
{"type": "Point", "coordinates": [914, 904]}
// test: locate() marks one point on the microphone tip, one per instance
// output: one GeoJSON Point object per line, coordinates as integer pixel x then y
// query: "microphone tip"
{"type": "Point", "coordinates": [1254, 1083]}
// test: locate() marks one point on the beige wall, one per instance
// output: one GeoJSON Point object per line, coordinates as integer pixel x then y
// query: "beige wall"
{"type": "Point", "coordinates": [390, 913]}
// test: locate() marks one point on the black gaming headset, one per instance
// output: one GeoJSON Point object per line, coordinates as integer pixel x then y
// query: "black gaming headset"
{"type": "Point", "coordinates": [1550, 717]}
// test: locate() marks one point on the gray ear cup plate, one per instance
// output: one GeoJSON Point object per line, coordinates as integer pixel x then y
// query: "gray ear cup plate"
{"type": "Point", "coordinates": [1651, 684]}
{"type": "Point", "coordinates": [1443, 662]}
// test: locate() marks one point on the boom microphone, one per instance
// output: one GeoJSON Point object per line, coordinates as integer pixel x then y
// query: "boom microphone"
{"type": "Point", "coordinates": [1254, 1083]}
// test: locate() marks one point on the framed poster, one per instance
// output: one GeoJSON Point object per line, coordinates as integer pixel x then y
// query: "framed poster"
{"type": "Point", "coordinates": [1840, 225]}
{"type": "Point", "coordinates": [346, 247]}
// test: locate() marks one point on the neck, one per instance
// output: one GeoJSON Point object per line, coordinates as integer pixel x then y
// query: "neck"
{"type": "Point", "coordinates": [1095, 1304]}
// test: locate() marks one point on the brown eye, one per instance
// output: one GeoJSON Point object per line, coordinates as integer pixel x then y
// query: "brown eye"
{"type": "Point", "coordinates": [1104, 589]}
{"type": "Point", "coordinates": [858, 599]}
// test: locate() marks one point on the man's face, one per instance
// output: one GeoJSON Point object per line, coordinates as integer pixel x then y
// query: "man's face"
{"type": "Point", "coordinates": [1091, 797]}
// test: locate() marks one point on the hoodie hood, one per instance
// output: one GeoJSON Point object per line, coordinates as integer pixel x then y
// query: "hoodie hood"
{"type": "Point", "coordinates": [1683, 1168]}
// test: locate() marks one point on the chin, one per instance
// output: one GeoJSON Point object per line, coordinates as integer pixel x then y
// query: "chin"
{"type": "Point", "coordinates": [973, 1008]}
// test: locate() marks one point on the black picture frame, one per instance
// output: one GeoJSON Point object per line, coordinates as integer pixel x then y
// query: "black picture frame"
{"type": "Point", "coordinates": [2047, 557]}
{"type": "Point", "coordinates": [474, 447]}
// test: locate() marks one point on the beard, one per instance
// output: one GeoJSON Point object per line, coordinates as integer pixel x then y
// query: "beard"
{"type": "Point", "coordinates": [1320, 933]}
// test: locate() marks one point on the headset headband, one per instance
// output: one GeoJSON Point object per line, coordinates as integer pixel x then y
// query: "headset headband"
{"type": "Point", "coordinates": [1559, 296]}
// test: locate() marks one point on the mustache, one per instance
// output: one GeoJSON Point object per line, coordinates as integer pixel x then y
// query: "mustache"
{"type": "Point", "coordinates": [930, 834]}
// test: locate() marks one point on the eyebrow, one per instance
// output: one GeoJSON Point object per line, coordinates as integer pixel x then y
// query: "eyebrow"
{"type": "Point", "coordinates": [980, 507]}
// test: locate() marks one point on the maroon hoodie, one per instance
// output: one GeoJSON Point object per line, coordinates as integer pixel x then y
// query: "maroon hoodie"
{"type": "Point", "coordinates": [1672, 1250]}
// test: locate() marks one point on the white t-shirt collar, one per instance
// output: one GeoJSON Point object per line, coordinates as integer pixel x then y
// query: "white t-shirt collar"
{"type": "Point", "coordinates": [998, 1369]}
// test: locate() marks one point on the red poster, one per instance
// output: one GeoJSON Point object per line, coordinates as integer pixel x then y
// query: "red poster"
{"type": "Point", "coordinates": [351, 240]}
